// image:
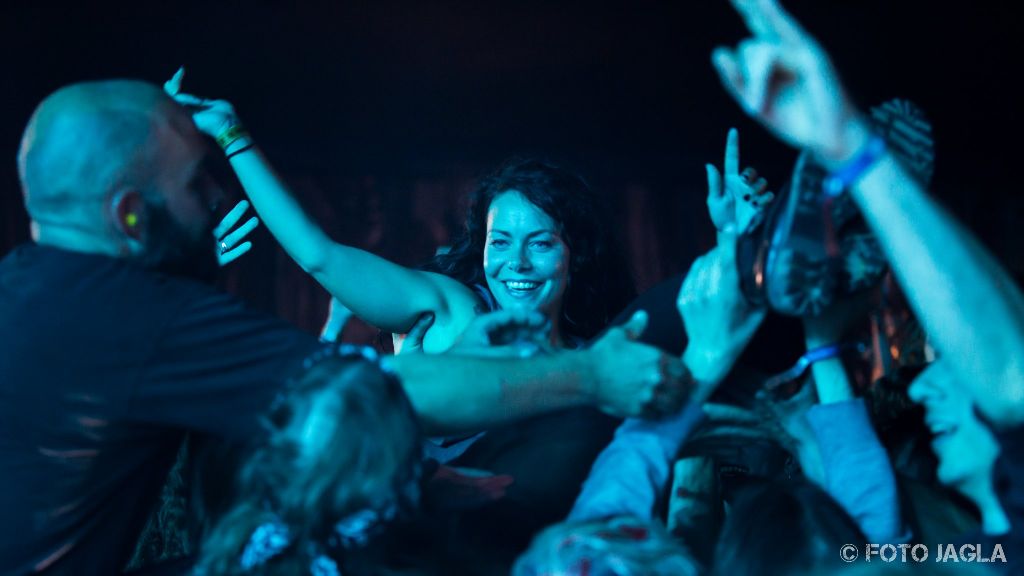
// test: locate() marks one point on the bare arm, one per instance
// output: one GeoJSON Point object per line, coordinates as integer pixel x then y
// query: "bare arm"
{"type": "Point", "coordinates": [463, 394]}
{"type": "Point", "coordinates": [385, 294]}
{"type": "Point", "coordinates": [456, 394]}
{"type": "Point", "coordinates": [381, 292]}
{"type": "Point", "coordinates": [969, 306]}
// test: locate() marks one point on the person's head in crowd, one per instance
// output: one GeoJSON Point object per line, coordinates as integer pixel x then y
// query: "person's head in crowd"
{"type": "Point", "coordinates": [965, 446]}
{"type": "Point", "coordinates": [118, 168]}
{"type": "Point", "coordinates": [620, 546]}
{"type": "Point", "coordinates": [536, 237]}
{"type": "Point", "coordinates": [342, 459]}
{"type": "Point", "coordinates": [783, 527]}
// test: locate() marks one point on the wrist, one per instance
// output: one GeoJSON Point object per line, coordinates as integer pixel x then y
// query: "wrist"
{"type": "Point", "coordinates": [831, 381]}
{"type": "Point", "coordinates": [854, 135]}
{"type": "Point", "coordinates": [807, 360]}
{"type": "Point", "coordinates": [584, 366]}
{"type": "Point", "coordinates": [234, 139]}
{"type": "Point", "coordinates": [706, 368]}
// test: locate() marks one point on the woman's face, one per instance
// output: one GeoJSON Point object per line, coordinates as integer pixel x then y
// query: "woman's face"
{"type": "Point", "coordinates": [526, 262]}
{"type": "Point", "coordinates": [965, 447]}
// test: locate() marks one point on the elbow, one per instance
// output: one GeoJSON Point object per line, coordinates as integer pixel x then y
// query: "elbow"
{"type": "Point", "coordinates": [312, 260]}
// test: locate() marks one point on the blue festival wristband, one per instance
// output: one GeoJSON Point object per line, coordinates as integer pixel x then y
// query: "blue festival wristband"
{"type": "Point", "coordinates": [805, 362]}
{"type": "Point", "coordinates": [852, 171]}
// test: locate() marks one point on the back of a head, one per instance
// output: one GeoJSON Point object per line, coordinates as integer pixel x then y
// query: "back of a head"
{"type": "Point", "coordinates": [783, 527]}
{"type": "Point", "coordinates": [85, 141]}
{"type": "Point", "coordinates": [344, 440]}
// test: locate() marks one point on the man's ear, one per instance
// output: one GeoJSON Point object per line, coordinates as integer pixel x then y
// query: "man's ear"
{"type": "Point", "coordinates": [128, 212]}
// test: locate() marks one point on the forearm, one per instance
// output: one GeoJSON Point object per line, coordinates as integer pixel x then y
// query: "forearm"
{"type": "Point", "coordinates": [969, 306]}
{"type": "Point", "coordinates": [462, 394]}
{"type": "Point", "coordinates": [385, 294]}
{"type": "Point", "coordinates": [631, 474]}
{"type": "Point", "coordinates": [831, 382]}
{"type": "Point", "coordinates": [299, 235]}
{"type": "Point", "coordinates": [858, 473]}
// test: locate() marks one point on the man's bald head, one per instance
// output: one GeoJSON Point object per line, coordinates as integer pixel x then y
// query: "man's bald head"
{"type": "Point", "coordinates": [86, 141]}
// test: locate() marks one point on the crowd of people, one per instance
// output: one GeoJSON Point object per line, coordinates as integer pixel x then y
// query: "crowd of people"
{"type": "Point", "coordinates": [837, 385]}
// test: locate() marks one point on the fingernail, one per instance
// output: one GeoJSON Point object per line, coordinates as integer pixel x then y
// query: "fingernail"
{"type": "Point", "coordinates": [746, 197]}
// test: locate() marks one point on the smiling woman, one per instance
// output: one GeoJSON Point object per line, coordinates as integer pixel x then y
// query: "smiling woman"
{"type": "Point", "coordinates": [536, 238]}
{"type": "Point", "coordinates": [966, 448]}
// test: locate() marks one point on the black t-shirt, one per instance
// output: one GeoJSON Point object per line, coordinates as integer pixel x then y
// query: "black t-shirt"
{"type": "Point", "coordinates": [104, 366]}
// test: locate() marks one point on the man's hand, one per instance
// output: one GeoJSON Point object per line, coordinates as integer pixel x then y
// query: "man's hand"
{"type": "Point", "coordinates": [734, 200]}
{"type": "Point", "coordinates": [633, 379]}
{"type": "Point", "coordinates": [784, 79]}
{"type": "Point", "coordinates": [718, 321]}
{"type": "Point", "coordinates": [228, 248]}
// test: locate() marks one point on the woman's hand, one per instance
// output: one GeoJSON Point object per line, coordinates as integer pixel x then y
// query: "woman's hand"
{"type": "Point", "coordinates": [212, 117]}
{"type": "Point", "coordinates": [734, 200]}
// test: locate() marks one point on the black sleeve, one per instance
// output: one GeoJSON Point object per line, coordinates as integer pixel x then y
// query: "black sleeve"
{"type": "Point", "coordinates": [217, 367]}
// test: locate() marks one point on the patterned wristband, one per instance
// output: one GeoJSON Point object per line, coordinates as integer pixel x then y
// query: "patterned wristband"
{"type": "Point", "coordinates": [232, 134]}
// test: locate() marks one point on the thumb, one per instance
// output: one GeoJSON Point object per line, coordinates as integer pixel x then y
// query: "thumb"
{"type": "Point", "coordinates": [636, 325]}
{"type": "Point", "coordinates": [419, 329]}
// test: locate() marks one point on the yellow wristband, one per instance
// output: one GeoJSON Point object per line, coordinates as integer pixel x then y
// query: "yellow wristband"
{"type": "Point", "coordinates": [232, 134]}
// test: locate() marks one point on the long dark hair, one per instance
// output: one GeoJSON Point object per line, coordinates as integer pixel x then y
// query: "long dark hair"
{"type": "Point", "coordinates": [365, 447]}
{"type": "Point", "coordinates": [600, 283]}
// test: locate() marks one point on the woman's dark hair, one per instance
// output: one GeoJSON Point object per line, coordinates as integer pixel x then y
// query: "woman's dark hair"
{"type": "Point", "coordinates": [344, 439]}
{"type": "Point", "coordinates": [783, 527]}
{"type": "Point", "coordinates": [600, 284]}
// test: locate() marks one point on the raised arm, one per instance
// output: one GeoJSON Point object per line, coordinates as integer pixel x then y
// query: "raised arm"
{"type": "Point", "coordinates": [968, 304]}
{"type": "Point", "coordinates": [385, 294]}
{"type": "Point", "coordinates": [858, 473]}
{"type": "Point", "coordinates": [632, 473]}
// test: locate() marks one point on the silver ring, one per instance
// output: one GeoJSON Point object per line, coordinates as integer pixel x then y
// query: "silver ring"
{"type": "Point", "coordinates": [223, 247]}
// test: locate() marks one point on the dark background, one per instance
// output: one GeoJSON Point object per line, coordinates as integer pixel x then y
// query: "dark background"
{"type": "Point", "coordinates": [383, 113]}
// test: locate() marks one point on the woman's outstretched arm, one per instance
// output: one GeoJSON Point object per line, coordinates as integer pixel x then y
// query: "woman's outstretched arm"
{"type": "Point", "coordinates": [387, 295]}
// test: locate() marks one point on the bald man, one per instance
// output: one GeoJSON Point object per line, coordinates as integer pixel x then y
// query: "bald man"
{"type": "Point", "coordinates": [116, 345]}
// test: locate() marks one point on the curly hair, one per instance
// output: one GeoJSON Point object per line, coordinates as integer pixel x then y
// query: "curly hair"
{"type": "Point", "coordinates": [344, 439]}
{"type": "Point", "coordinates": [600, 283]}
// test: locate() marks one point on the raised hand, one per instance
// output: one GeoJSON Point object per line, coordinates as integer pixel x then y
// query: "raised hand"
{"type": "Point", "coordinates": [783, 78]}
{"type": "Point", "coordinates": [212, 117]}
{"type": "Point", "coordinates": [719, 322]}
{"type": "Point", "coordinates": [228, 247]}
{"type": "Point", "coordinates": [734, 200]}
{"type": "Point", "coordinates": [633, 379]}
